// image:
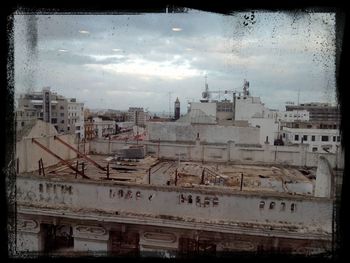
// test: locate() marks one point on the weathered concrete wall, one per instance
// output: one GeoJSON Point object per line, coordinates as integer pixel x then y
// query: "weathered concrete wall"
{"type": "Point", "coordinates": [29, 237]}
{"type": "Point", "coordinates": [156, 201]}
{"type": "Point", "coordinates": [323, 187]}
{"type": "Point", "coordinates": [28, 153]}
{"type": "Point", "coordinates": [207, 133]}
{"type": "Point", "coordinates": [90, 238]}
{"type": "Point", "coordinates": [200, 151]}
{"type": "Point", "coordinates": [268, 128]}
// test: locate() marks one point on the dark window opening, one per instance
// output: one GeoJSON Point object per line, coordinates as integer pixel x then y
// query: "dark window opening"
{"type": "Point", "coordinates": [57, 237]}
{"type": "Point", "coordinates": [124, 243]}
{"type": "Point", "coordinates": [262, 204]}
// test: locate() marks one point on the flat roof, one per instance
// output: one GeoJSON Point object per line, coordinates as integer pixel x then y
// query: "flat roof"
{"type": "Point", "coordinates": [276, 179]}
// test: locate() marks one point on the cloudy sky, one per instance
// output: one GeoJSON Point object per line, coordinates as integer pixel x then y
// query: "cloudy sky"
{"type": "Point", "coordinates": [121, 61]}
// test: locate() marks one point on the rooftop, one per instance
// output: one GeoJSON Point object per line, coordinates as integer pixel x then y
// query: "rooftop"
{"type": "Point", "coordinates": [279, 180]}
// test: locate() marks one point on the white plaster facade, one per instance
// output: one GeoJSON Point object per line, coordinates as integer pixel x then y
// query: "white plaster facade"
{"type": "Point", "coordinates": [294, 115]}
{"type": "Point", "coordinates": [209, 108]}
{"type": "Point", "coordinates": [76, 118]}
{"type": "Point", "coordinates": [317, 139]}
{"type": "Point", "coordinates": [103, 128]}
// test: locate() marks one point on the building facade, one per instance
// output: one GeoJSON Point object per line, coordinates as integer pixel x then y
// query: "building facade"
{"type": "Point", "coordinates": [137, 116]}
{"type": "Point", "coordinates": [103, 128]}
{"type": "Point", "coordinates": [320, 112]}
{"type": "Point", "coordinates": [319, 140]}
{"type": "Point", "coordinates": [50, 107]}
{"type": "Point", "coordinates": [76, 118]}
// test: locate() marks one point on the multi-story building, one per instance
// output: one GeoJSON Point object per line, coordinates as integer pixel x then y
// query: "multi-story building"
{"type": "Point", "coordinates": [89, 131]}
{"type": "Point", "coordinates": [24, 117]}
{"type": "Point", "coordinates": [293, 115]}
{"type": "Point", "coordinates": [319, 140]}
{"type": "Point", "coordinates": [137, 116]}
{"type": "Point", "coordinates": [103, 127]}
{"type": "Point", "coordinates": [322, 112]}
{"type": "Point", "coordinates": [76, 117]}
{"type": "Point", "coordinates": [47, 106]}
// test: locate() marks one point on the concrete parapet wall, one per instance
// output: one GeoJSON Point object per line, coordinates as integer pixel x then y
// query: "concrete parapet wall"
{"type": "Point", "coordinates": [201, 151]}
{"type": "Point", "coordinates": [224, 206]}
{"type": "Point", "coordinates": [28, 153]}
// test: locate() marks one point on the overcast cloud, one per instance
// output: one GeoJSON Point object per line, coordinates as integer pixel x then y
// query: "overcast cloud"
{"type": "Point", "coordinates": [120, 61]}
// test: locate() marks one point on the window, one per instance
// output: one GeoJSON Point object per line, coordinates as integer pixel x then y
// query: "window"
{"type": "Point", "coordinates": [293, 207]}
{"type": "Point", "coordinates": [198, 200]}
{"type": "Point", "coordinates": [190, 199]}
{"type": "Point", "coordinates": [62, 114]}
{"type": "Point", "coordinates": [325, 138]}
{"type": "Point", "coordinates": [61, 107]}
{"type": "Point", "coordinates": [296, 137]}
{"type": "Point", "coordinates": [53, 107]}
{"type": "Point", "coordinates": [338, 138]}
{"type": "Point", "coordinates": [272, 205]}
{"type": "Point", "coordinates": [333, 138]}
{"type": "Point", "coordinates": [305, 137]}
{"type": "Point", "coordinates": [62, 121]}
{"type": "Point", "coordinates": [313, 138]}
{"type": "Point", "coordinates": [262, 204]}
{"type": "Point", "coordinates": [283, 206]}
{"type": "Point", "coordinates": [314, 149]}
{"type": "Point", "coordinates": [284, 135]}
{"type": "Point", "coordinates": [215, 201]}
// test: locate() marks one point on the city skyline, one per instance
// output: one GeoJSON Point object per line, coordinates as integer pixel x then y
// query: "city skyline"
{"type": "Point", "coordinates": [121, 61]}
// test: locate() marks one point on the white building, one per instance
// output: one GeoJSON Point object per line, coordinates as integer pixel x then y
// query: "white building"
{"type": "Point", "coordinates": [251, 109]}
{"type": "Point", "coordinates": [76, 117]}
{"type": "Point", "coordinates": [294, 115]}
{"type": "Point", "coordinates": [103, 128]}
{"type": "Point", "coordinates": [138, 116]}
{"type": "Point", "coordinates": [209, 108]}
{"type": "Point", "coordinates": [319, 140]}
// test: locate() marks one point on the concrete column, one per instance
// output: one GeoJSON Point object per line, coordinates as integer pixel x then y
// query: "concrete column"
{"type": "Point", "coordinates": [90, 239]}
{"type": "Point", "coordinates": [28, 236]}
{"type": "Point", "coordinates": [324, 185]}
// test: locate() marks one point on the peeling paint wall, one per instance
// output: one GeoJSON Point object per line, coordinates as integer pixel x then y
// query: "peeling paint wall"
{"type": "Point", "coordinates": [207, 133]}
{"type": "Point", "coordinates": [170, 202]}
{"type": "Point", "coordinates": [199, 151]}
{"type": "Point", "coordinates": [28, 153]}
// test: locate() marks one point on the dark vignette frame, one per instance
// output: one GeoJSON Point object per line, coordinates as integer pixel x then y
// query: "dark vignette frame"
{"type": "Point", "coordinates": [8, 179]}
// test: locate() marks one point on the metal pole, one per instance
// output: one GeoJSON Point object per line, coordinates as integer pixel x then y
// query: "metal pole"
{"type": "Point", "coordinates": [79, 153]}
{"type": "Point", "coordinates": [39, 167]}
{"type": "Point", "coordinates": [241, 181]}
{"type": "Point", "coordinates": [108, 170]}
{"type": "Point", "coordinates": [149, 176]}
{"type": "Point", "coordinates": [77, 169]}
{"type": "Point", "coordinates": [83, 166]}
{"type": "Point", "coordinates": [175, 177]}
{"type": "Point", "coordinates": [202, 180]}
{"type": "Point", "coordinates": [61, 159]}
{"type": "Point", "coordinates": [42, 166]}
